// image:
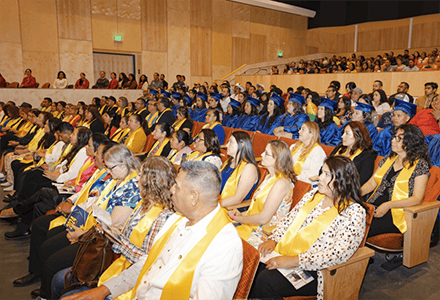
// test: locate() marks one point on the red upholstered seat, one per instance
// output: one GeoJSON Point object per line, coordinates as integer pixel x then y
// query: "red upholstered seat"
{"type": "Point", "coordinates": [228, 133]}
{"type": "Point", "coordinates": [260, 141]}
{"type": "Point", "coordinates": [387, 241]}
{"type": "Point", "coordinates": [251, 258]}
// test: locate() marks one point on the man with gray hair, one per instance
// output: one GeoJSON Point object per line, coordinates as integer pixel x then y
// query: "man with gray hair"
{"type": "Point", "coordinates": [199, 255]}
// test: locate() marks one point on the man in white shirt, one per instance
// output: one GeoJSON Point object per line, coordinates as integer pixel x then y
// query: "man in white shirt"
{"type": "Point", "coordinates": [226, 92]}
{"type": "Point", "coordinates": [216, 265]}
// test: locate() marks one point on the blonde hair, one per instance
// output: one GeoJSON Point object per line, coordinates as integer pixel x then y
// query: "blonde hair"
{"type": "Point", "coordinates": [316, 138]}
{"type": "Point", "coordinates": [283, 159]}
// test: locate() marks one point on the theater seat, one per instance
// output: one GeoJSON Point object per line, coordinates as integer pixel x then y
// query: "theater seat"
{"type": "Point", "coordinates": [251, 133]}
{"type": "Point", "coordinates": [46, 85]}
{"type": "Point", "coordinates": [260, 141]}
{"type": "Point", "coordinates": [251, 258]}
{"type": "Point", "coordinates": [420, 221]}
{"type": "Point", "coordinates": [37, 85]}
{"type": "Point", "coordinates": [288, 141]}
{"type": "Point", "coordinates": [149, 143]}
{"type": "Point", "coordinates": [228, 133]}
{"type": "Point", "coordinates": [301, 188]}
{"type": "Point", "coordinates": [13, 85]}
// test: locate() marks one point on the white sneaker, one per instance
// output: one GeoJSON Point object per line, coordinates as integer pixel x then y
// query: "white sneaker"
{"type": "Point", "coordinates": [5, 184]}
{"type": "Point", "coordinates": [8, 189]}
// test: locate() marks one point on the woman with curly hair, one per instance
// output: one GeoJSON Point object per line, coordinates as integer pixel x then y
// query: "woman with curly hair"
{"type": "Point", "coordinates": [400, 181]}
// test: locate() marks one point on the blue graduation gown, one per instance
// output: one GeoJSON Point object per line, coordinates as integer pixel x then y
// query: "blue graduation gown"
{"type": "Point", "coordinates": [247, 122]}
{"type": "Point", "coordinates": [382, 141]}
{"type": "Point", "coordinates": [229, 121]}
{"type": "Point", "coordinates": [433, 142]}
{"type": "Point", "coordinates": [220, 133]}
{"type": "Point", "coordinates": [264, 128]}
{"type": "Point", "coordinates": [292, 123]}
{"type": "Point", "coordinates": [372, 130]}
{"type": "Point", "coordinates": [199, 115]}
{"type": "Point", "coordinates": [174, 110]}
{"type": "Point", "coordinates": [330, 135]}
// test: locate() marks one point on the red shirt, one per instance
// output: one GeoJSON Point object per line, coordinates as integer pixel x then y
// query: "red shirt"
{"type": "Point", "coordinates": [426, 122]}
{"type": "Point", "coordinates": [113, 84]}
{"type": "Point", "coordinates": [84, 85]}
{"type": "Point", "coordinates": [29, 82]}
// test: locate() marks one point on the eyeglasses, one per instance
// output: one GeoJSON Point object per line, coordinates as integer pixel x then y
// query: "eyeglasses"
{"type": "Point", "coordinates": [111, 168]}
{"type": "Point", "coordinates": [398, 138]}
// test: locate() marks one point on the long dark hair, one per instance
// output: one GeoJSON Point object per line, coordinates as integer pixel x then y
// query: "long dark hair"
{"type": "Point", "coordinates": [211, 141]}
{"type": "Point", "coordinates": [346, 182]}
{"type": "Point", "coordinates": [95, 112]}
{"type": "Point", "coordinates": [245, 151]}
{"type": "Point", "coordinates": [276, 113]}
{"type": "Point", "coordinates": [362, 136]}
{"type": "Point", "coordinates": [84, 135]}
{"type": "Point", "coordinates": [414, 145]}
{"type": "Point", "coordinates": [49, 137]}
{"type": "Point", "coordinates": [328, 118]}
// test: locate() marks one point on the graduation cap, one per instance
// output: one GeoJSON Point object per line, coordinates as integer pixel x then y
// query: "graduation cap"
{"type": "Point", "coordinates": [188, 99]}
{"type": "Point", "coordinates": [216, 96]}
{"type": "Point", "coordinates": [165, 93]}
{"type": "Point", "coordinates": [364, 107]}
{"type": "Point", "coordinates": [328, 103]}
{"type": "Point", "coordinates": [176, 95]}
{"type": "Point", "coordinates": [277, 99]}
{"type": "Point", "coordinates": [202, 96]}
{"type": "Point", "coordinates": [234, 103]}
{"type": "Point", "coordinates": [255, 102]}
{"type": "Point", "coordinates": [409, 108]}
{"type": "Point", "coordinates": [297, 98]}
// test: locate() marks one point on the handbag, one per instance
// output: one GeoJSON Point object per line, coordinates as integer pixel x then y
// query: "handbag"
{"type": "Point", "coordinates": [93, 257]}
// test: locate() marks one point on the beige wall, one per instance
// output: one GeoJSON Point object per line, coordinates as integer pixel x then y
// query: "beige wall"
{"type": "Point", "coordinates": [320, 82]}
{"type": "Point", "coordinates": [203, 39]}
{"type": "Point", "coordinates": [377, 37]}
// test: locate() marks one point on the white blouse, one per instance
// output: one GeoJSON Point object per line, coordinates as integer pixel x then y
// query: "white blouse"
{"type": "Point", "coordinates": [78, 162]}
{"type": "Point", "coordinates": [60, 83]}
{"type": "Point", "coordinates": [312, 165]}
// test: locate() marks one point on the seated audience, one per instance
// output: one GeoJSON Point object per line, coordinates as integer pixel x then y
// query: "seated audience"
{"type": "Point", "coordinates": [400, 180]}
{"type": "Point", "coordinates": [111, 121]}
{"type": "Point", "coordinates": [101, 82]}
{"type": "Point", "coordinates": [123, 79]}
{"type": "Point", "coordinates": [121, 134]}
{"type": "Point", "coordinates": [272, 200]}
{"type": "Point", "coordinates": [307, 154]}
{"type": "Point", "coordinates": [131, 84]}
{"type": "Point", "coordinates": [61, 81]}
{"type": "Point", "coordinates": [28, 80]}
{"type": "Point", "coordinates": [291, 122]}
{"type": "Point", "coordinates": [328, 129]}
{"type": "Point", "coordinates": [207, 148]}
{"type": "Point", "coordinates": [232, 114]}
{"type": "Point", "coordinates": [338, 205]}
{"type": "Point", "coordinates": [430, 93]}
{"type": "Point", "coordinates": [137, 138]}
{"type": "Point", "coordinates": [93, 120]}
{"type": "Point", "coordinates": [82, 82]}
{"type": "Point", "coordinates": [113, 84]}
{"type": "Point", "coordinates": [180, 149]}
{"type": "Point", "coordinates": [250, 119]}
{"type": "Point", "coordinates": [343, 111]}
{"type": "Point", "coordinates": [269, 121]}
{"type": "Point", "coordinates": [363, 113]}
{"type": "Point", "coordinates": [313, 100]}
{"type": "Point", "coordinates": [240, 173]}
{"type": "Point", "coordinates": [183, 120]}
{"type": "Point", "coordinates": [162, 135]}
{"type": "Point", "coordinates": [212, 120]}
{"type": "Point", "coordinates": [380, 102]}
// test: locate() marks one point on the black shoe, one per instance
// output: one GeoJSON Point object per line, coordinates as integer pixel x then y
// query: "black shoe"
{"type": "Point", "coordinates": [17, 234]}
{"type": "Point", "coordinates": [38, 293]}
{"type": "Point", "coordinates": [392, 263]}
{"type": "Point", "coordinates": [26, 280]}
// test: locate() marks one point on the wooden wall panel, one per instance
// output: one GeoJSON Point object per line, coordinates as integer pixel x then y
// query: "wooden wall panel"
{"type": "Point", "coordinates": [38, 21]}
{"type": "Point", "coordinates": [129, 9]}
{"type": "Point", "coordinates": [103, 30]}
{"type": "Point", "coordinates": [426, 35]}
{"type": "Point", "coordinates": [257, 48]}
{"type": "Point", "coordinates": [222, 9]}
{"type": "Point", "coordinates": [221, 42]}
{"type": "Point", "coordinates": [154, 25]}
{"type": "Point", "coordinates": [241, 12]}
{"type": "Point", "coordinates": [74, 20]}
{"type": "Point", "coordinates": [201, 13]}
{"type": "Point", "coordinates": [9, 21]}
{"type": "Point", "coordinates": [240, 52]}
{"type": "Point", "coordinates": [201, 38]}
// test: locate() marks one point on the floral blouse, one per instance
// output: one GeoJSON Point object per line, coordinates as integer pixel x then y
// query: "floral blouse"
{"type": "Point", "coordinates": [336, 244]}
{"type": "Point", "coordinates": [125, 195]}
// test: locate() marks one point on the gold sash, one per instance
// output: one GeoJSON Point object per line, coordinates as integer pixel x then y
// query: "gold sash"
{"type": "Point", "coordinates": [193, 155]}
{"type": "Point", "coordinates": [299, 164]}
{"type": "Point", "coordinates": [351, 157]}
{"type": "Point", "coordinates": [207, 126]}
{"type": "Point", "coordinates": [119, 134]}
{"type": "Point", "coordinates": [400, 190]}
{"type": "Point", "coordinates": [104, 197]}
{"type": "Point", "coordinates": [179, 284]}
{"type": "Point", "coordinates": [25, 129]}
{"type": "Point", "coordinates": [139, 112]}
{"type": "Point", "coordinates": [292, 243]}
{"type": "Point", "coordinates": [14, 123]}
{"type": "Point", "coordinates": [159, 151]}
{"type": "Point", "coordinates": [84, 194]}
{"type": "Point", "coordinates": [168, 109]}
{"type": "Point", "coordinates": [131, 141]}
{"type": "Point", "coordinates": [89, 162]}
{"type": "Point", "coordinates": [231, 184]}
{"type": "Point", "coordinates": [151, 118]}
{"type": "Point", "coordinates": [137, 237]}
{"type": "Point", "coordinates": [102, 109]}
{"type": "Point", "coordinates": [33, 144]}
{"type": "Point", "coordinates": [3, 121]}
{"type": "Point", "coordinates": [43, 159]}
{"type": "Point", "coordinates": [177, 124]}
{"type": "Point", "coordinates": [257, 205]}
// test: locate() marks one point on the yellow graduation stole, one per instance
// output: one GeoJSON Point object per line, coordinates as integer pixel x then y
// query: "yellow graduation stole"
{"type": "Point", "coordinates": [151, 118]}
{"type": "Point", "coordinates": [311, 108]}
{"type": "Point", "coordinates": [137, 237]}
{"type": "Point", "coordinates": [84, 194]}
{"type": "Point", "coordinates": [139, 112]}
{"type": "Point", "coordinates": [5, 118]}
{"type": "Point", "coordinates": [63, 154]}
{"type": "Point", "coordinates": [299, 164]}
{"type": "Point", "coordinates": [45, 109]}
{"type": "Point", "coordinates": [231, 184]}
{"type": "Point", "coordinates": [168, 109]}
{"type": "Point", "coordinates": [102, 109]}
{"type": "Point", "coordinates": [159, 151]}
{"type": "Point", "coordinates": [292, 243]}
{"type": "Point", "coordinates": [67, 118]}
{"type": "Point", "coordinates": [257, 205]}
{"type": "Point", "coordinates": [400, 190]}
{"type": "Point", "coordinates": [88, 163]}
{"type": "Point", "coordinates": [351, 157]}
{"type": "Point", "coordinates": [207, 126]}
{"type": "Point", "coordinates": [123, 113]}
{"type": "Point", "coordinates": [33, 144]}
{"type": "Point", "coordinates": [43, 159]}
{"type": "Point", "coordinates": [193, 155]}
{"type": "Point", "coordinates": [119, 134]}
{"type": "Point", "coordinates": [179, 284]}
{"type": "Point", "coordinates": [130, 140]}
{"type": "Point", "coordinates": [14, 123]}
{"type": "Point", "coordinates": [25, 129]}
{"type": "Point", "coordinates": [172, 156]}
{"type": "Point", "coordinates": [177, 124]}
{"type": "Point", "coordinates": [105, 197]}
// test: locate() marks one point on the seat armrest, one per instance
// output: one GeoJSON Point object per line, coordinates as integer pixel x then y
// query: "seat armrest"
{"type": "Point", "coordinates": [361, 254]}
{"type": "Point", "coordinates": [422, 207]}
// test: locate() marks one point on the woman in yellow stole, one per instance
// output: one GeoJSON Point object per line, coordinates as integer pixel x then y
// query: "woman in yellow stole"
{"type": "Point", "coordinates": [324, 229]}
{"type": "Point", "coordinates": [307, 154]}
{"type": "Point", "coordinates": [137, 137]}
{"type": "Point", "coordinates": [162, 134]}
{"type": "Point", "coordinates": [271, 202]}
{"type": "Point", "coordinates": [207, 148]}
{"type": "Point", "coordinates": [400, 181]}
{"type": "Point", "coordinates": [179, 143]}
{"type": "Point", "coordinates": [121, 134]}
{"type": "Point", "coordinates": [240, 172]}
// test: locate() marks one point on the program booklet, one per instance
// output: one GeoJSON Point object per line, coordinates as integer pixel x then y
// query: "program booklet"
{"type": "Point", "coordinates": [297, 277]}
{"type": "Point", "coordinates": [104, 218]}
{"type": "Point", "coordinates": [77, 217]}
